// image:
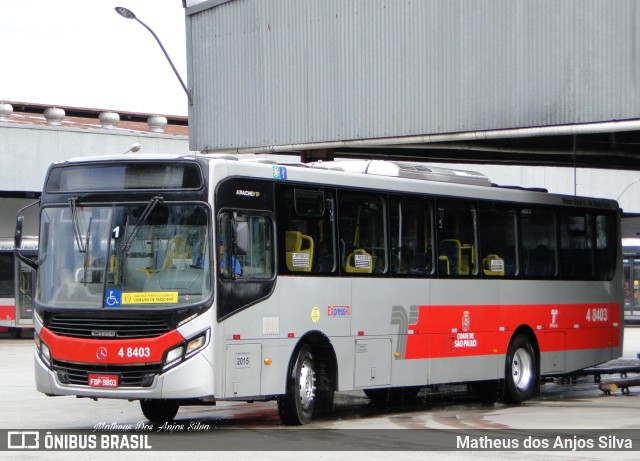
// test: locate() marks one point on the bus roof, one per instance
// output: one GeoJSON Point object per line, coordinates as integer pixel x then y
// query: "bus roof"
{"type": "Point", "coordinates": [380, 174]}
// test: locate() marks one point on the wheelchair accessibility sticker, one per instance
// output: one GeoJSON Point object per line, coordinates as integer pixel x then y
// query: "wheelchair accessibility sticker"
{"type": "Point", "coordinates": [113, 298]}
{"type": "Point", "coordinates": [116, 298]}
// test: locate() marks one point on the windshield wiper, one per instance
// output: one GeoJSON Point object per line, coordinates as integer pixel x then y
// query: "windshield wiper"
{"type": "Point", "coordinates": [76, 226]}
{"type": "Point", "coordinates": [143, 218]}
{"type": "Point", "coordinates": [87, 256]}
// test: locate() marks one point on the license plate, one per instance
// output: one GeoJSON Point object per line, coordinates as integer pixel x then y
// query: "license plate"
{"type": "Point", "coordinates": [103, 380]}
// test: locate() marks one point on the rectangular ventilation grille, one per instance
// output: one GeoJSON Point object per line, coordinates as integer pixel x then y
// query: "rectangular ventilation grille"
{"type": "Point", "coordinates": [80, 327]}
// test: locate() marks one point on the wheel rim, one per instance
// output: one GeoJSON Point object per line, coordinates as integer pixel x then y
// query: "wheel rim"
{"type": "Point", "coordinates": [307, 384]}
{"type": "Point", "coordinates": [522, 369]}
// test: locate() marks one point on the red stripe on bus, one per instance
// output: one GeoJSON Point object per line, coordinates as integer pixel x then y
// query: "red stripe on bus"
{"type": "Point", "coordinates": [115, 351]}
{"type": "Point", "coordinates": [7, 312]}
{"type": "Point", "coordinates": [452, 331]}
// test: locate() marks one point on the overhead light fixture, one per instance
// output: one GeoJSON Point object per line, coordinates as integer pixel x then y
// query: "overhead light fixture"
{"type": "Point", "coordinates": [128, 14]}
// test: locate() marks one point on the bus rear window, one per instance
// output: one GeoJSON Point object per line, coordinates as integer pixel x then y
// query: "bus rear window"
{"type": "Point", "coordinates": [127, 176]}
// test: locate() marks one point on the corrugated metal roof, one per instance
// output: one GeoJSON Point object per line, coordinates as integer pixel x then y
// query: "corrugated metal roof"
{"type": "Point", "coordinates": [272, 72]}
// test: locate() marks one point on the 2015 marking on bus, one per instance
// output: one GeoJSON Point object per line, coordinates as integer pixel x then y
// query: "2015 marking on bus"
{"type": "Point", "coordinates": [243, 360]}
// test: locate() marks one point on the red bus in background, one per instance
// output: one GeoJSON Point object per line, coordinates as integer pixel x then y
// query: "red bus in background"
{"type": "Point", "coordinates": [16, 278]}
{"type": "Point", "coordinates": [16, 283]}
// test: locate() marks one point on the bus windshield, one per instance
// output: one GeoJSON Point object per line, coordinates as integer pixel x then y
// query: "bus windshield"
{"type": "Point", "coordinates": [144, 255]}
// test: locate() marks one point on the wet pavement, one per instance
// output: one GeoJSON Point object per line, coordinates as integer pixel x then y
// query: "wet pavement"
{"type": "Point", "coordinates": [563, 404]}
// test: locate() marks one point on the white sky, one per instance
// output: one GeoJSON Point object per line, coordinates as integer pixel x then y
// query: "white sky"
{"type": "Point", "coordinates": [81, 53]}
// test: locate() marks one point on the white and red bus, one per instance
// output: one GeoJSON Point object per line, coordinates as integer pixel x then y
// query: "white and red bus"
{"type": "Point", "coordinates": [181, 280]}
{"type": "Point", "coordinates": [16, 279]}
{"type": "Point", "coordinates": [16, 285]}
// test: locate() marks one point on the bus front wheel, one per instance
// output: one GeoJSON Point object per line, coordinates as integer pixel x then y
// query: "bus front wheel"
{"type": "Point", "coordinates": [297, 404]}
{"type": "Point", "coordinates": [159, 411]}
{"type": "Point", "coordinates": [521, 370]}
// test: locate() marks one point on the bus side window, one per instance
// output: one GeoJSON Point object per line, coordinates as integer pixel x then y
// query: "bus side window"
{"type": "Point", "coordinates": [362, 233]}
{"type": "Point", "coordinates": [538, 242]}
{"type": "Point", "coordinates": [411, 224]}
{"type": "Point", "coordinates": [306, 236]}
{"type": "Point", "coordinates": [245, 246]}
{"type": "Point", "coordinates": [576, 246]}
{"type": "Point", "coordinates": [605, 243]}
{"type": "Point", "coordinates": [457, 239]}
{"type": "Point", "coordinates": [498, 237]}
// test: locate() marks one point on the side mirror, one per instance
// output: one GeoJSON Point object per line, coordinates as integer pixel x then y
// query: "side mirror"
{"type": "Point", "coordinates": [17, 239]}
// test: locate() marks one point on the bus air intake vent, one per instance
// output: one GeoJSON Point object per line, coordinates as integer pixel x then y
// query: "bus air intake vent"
{"type": "Point", "coordinates": [98, 328]}
{"type": "Point", "coordinates": [407, 170]}
{"type": "Point", "coordinates": [415, 170]}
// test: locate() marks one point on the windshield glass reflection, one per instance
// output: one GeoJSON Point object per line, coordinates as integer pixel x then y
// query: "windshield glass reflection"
{"type": "Point", "coordinates": [145, 255]}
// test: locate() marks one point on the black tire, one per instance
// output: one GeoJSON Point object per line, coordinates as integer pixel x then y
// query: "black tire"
{"type": "Point", "coordinates": [159, 411]}
{"type": "Point", "coordinates": [393, 395]}
{"type": "Point", "coordinates": [297, 405]}
{"type": "Point", "coordinates": [521, 370]}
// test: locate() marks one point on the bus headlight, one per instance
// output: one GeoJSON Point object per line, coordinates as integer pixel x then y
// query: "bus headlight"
{"type": "Point", "coordinates": [174, 354]}
{"type": "Point", "coordinates": [195, 344]}
{"type": "Point", "coordinates": [43, 350]}
{"type": "Point", "coordinates": [185, 350]}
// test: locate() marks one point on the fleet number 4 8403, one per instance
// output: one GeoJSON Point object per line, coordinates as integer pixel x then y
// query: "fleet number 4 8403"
{"type": "Point", "coordinates": [134, 352]}
{"type": "Point", "coordinates": [597, 314]}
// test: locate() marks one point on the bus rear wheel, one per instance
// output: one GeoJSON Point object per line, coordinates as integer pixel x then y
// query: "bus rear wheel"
{"type": "Point", "coordinates": [297, 405]}
{"type": "Point", "coordinates": [159, 411]}
{"type": "Point", "coordinates": [521, 370]}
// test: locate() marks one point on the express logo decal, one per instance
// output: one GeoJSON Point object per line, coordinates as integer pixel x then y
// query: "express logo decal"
{"type": "Point", "coordinates": [339, 311]}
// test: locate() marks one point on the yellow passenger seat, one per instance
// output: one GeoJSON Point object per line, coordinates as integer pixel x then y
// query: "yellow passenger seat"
{"type": "Point", "coordinates": [493, 265]}
{"type": "Point", "coordinates": [299, 259]}
{"type": "Point", "coordinates": [359, 261]}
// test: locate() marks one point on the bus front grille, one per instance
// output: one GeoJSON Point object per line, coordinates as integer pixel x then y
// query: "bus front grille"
{"type": "Point", "coordinates": [101, 328]}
